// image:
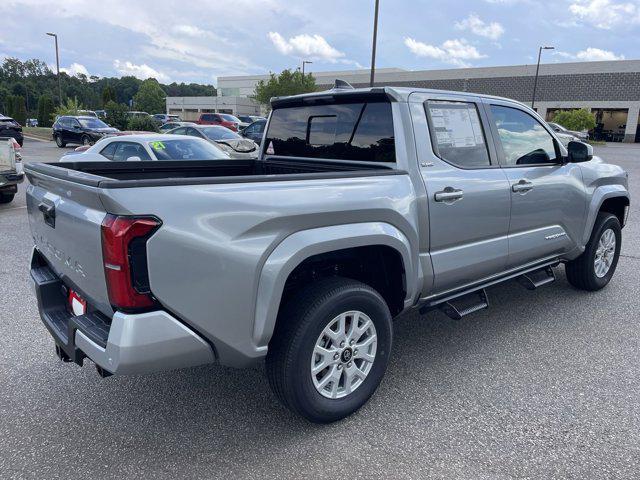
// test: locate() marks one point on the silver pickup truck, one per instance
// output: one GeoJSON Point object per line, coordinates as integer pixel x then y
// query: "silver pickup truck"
{"type": "Point", "coordinates": [363, 204]}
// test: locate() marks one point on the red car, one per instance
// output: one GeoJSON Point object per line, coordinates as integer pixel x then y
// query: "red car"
{"type": "Point", "coordinates": [224, 119]}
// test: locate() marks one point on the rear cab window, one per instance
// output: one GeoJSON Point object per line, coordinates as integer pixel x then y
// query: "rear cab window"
{"type": "Point", "coordinates": [359, 131]}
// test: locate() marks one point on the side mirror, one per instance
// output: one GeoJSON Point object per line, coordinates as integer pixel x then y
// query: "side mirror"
{"type": "Point", "coordinates": [134, 159]}
{"type": "Point", "coordinates": [579, 152]}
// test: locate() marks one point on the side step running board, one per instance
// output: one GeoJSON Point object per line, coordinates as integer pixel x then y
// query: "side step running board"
{"type": "Point", "coordinates": [537, 278]}
{"type": "Point", "coordinates": [465, 305]}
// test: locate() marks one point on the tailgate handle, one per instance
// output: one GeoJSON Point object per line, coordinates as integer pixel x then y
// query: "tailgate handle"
{"type": "Point", "coordinates": [49, 213]}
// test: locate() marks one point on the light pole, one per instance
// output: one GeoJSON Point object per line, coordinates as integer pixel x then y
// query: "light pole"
{"type": "Point", "coordinates": [55, 37]}
{"type": "Point", "coordinates": [535, 81]}
{"type": "Point", "coordinates": [305, 62]}
{"type": "Point", "coordinates": [373, 48]}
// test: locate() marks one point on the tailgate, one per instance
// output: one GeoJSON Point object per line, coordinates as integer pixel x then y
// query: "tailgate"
{"type": "Point", "coordinates": [65, 220]}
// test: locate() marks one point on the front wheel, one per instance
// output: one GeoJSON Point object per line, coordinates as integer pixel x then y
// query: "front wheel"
{"type": "Point", "coordinates": [59, 142]}
{"type": "Point", "coordinates": [86, 140]}
{"type": "Point", "coordinates": [593, 269]}
{"type": "Point", "coordinates": [330, 349]}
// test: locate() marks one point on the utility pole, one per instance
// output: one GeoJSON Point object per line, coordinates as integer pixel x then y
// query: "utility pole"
{"type": "Point", "coordinates": [304, 62]}
{"type": "Point", "coordinates": [57, 65]}
{"type": "Point", "coordinates": [373, 48]}
{"type": "Point", "coordinates": [535, 81]}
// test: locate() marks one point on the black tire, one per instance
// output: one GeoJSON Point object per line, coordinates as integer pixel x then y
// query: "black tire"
{"type": "Point", "coordinates": [86, 140]}
{"type": "Point", "coordinates": [581, 272]}
{"type": "Point", "coordinates": [300, 323]}
{"type": "Point", "coordinates": [6, 197]}
{"type": "Point", "coordinates": [59, 142]}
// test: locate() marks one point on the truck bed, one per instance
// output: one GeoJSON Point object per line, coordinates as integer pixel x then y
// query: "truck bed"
{"type": "Point", "coordinates": [190, 172]}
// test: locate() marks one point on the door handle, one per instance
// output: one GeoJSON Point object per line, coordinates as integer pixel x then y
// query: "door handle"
{"type": "Point", "coordinates": [449, 195]}
{"type": "Point", "coordinates": [523, 186]}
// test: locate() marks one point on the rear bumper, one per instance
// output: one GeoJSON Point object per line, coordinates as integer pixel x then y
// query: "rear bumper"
{"type": "Point", "coordinates": [125, 344]}
{"type": "Point", "coordinates": [11, 179]}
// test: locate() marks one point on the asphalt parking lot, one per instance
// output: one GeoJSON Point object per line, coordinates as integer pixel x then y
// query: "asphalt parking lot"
{"type": "Point", "coordinates": [544, 384]}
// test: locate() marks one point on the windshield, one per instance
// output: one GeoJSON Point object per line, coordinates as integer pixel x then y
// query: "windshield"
{"type": "Point", "coordinates": [229, 118]}
{"type": "Point", "coordinates": [186, 149]}
{"type": "Point", "coordinates": [92, 123]}
{"type": "Point", "coordinates": [219, 133]}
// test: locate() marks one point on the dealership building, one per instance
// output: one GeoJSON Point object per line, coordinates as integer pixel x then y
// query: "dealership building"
{"type": "Point", "coordinates": [610, 89]}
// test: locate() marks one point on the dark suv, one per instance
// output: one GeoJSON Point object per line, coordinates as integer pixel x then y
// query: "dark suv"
{"type": "Point", "coordinates": [10, 128]}
{"type": "Point", "coordinates": [81, 130]}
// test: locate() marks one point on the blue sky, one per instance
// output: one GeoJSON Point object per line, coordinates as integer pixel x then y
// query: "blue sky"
{"type": "Point", "coordinates": [201, 40]}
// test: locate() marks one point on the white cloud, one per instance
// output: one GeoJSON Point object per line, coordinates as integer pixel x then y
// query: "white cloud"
{"type": "Point", "coordinates": [308, 46]}
{"type": "Point", "coordinates": [596, 54]}
{"type": "Point", "coordinates": [142, 71]}
{"type": "Point", "coordinates": [606, 14]}
{"type": "Point", "coordinates": [75, 69]}
{"type": "Point", "coordinates": [476, 25]}
{"type": "Point", "coordinates": [454, 51]}
{"type": "Point", "coordinates": [590, 54]}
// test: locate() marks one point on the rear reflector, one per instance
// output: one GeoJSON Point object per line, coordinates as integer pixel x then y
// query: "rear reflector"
{"type": "Point", "coordinates": [122, 268]}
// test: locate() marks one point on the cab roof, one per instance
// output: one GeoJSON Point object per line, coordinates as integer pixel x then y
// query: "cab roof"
{"type": "Point", "coordinates": [343, 91]}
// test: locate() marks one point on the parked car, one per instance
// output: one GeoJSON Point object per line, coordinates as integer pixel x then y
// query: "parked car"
{"type": "Point", "coordinates": [171, 125]}
{"type": "Point", "coordinates": [148, 147]}
{"type": "Point", "coordinates": [102, 114]}
{"type": "Point", "coordinates": [582, 136]}
{"type": "Point", "coordinates": [87, 113]}
{"type": "Point", "coordinates": [163, 118]}
{"type": "Point", "coordinates": [245, 120]}
{"type": "Point", "coordinates": [364, 204]}
{"type": "Point", "coordinates": [11, 170]}
{"type": "Point", "coordinates": [254, 131]}
{"type": "Point", "coordinates": [80, 130]}
{"type": "Point", "coordinates": [232, 143]}
{"type": "Point", "coordinates": [32, 122]}
{"type": "Point", "coordinates": [10, 128]}
{"type": "Point", "coordinates": [224, 119]}
{"type": "Point", "coordinates": [120, 133]}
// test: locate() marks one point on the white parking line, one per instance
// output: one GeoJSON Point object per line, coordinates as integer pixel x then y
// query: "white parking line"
{"type": "Point", "coordinates": [14, 208]}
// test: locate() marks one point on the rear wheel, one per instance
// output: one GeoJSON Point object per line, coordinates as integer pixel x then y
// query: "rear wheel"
{"type": "Point", "coordinates": [330, 349]}
{"type": "Point", "coordinates": [594, 268]}
{"type": "Point", "coordinates": [59, 141]}
{"type": "Point", "coordinates": [6, 197]}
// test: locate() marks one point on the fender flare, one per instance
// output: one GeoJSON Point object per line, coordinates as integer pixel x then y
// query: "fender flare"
{"type": "Point", "coordinates": [301, 245]}
{"type": "Point", "coordinates": [599, 196]}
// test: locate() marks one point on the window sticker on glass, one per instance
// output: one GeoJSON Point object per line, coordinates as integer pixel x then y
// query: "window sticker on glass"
{"type": "Point", "coordinates": [157, 145]}
{"type": "Point", "coordinates": [456, 125]}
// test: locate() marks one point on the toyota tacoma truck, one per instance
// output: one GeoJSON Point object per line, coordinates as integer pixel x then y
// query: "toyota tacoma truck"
{"type": "Point", "coordinates": [363, 204]}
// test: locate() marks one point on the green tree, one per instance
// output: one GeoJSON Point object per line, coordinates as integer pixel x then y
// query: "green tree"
{"type": "Point", "coordinates": [70, 108]}
{"type": "Point", "coordinates": [142, 124]}
{"type": "Point", "coordinates": [577, 120]}
{"type": "Point", "coordinates": [9, 106]}
{"type": "Point", "coordinates": [108, 95]}
{"type": "Point", "coordinates": [19, 110]}
{"type": "Point", "coordinates": [287, 83]}
{"type": "Point", "coordinates": [116, 115]}
{"type": "Point", "coordinates": [45, 110]}
{"type": "Point", "coordinates": [150, 97]}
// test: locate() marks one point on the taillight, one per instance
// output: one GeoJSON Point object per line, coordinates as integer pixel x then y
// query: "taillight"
{"type": "Point", "coordinates": [125, 261]}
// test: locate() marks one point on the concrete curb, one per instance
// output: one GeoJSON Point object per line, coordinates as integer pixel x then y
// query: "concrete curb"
{"type": "Point", "coordinates": [30, 137]}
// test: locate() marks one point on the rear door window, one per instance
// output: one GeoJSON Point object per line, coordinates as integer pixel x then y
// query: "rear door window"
{"type": "Point", "coordinates": [456, 133]}
{"type": "Point", "coordinates": [125, 150]}
{"type": "Point", "coordinates": [348, 131]}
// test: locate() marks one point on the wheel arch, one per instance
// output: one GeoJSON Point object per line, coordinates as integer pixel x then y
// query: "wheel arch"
{"type": "Point", "coordinates": [301, 246]}
{"type": "Point", "coordinates": [608, 198]}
